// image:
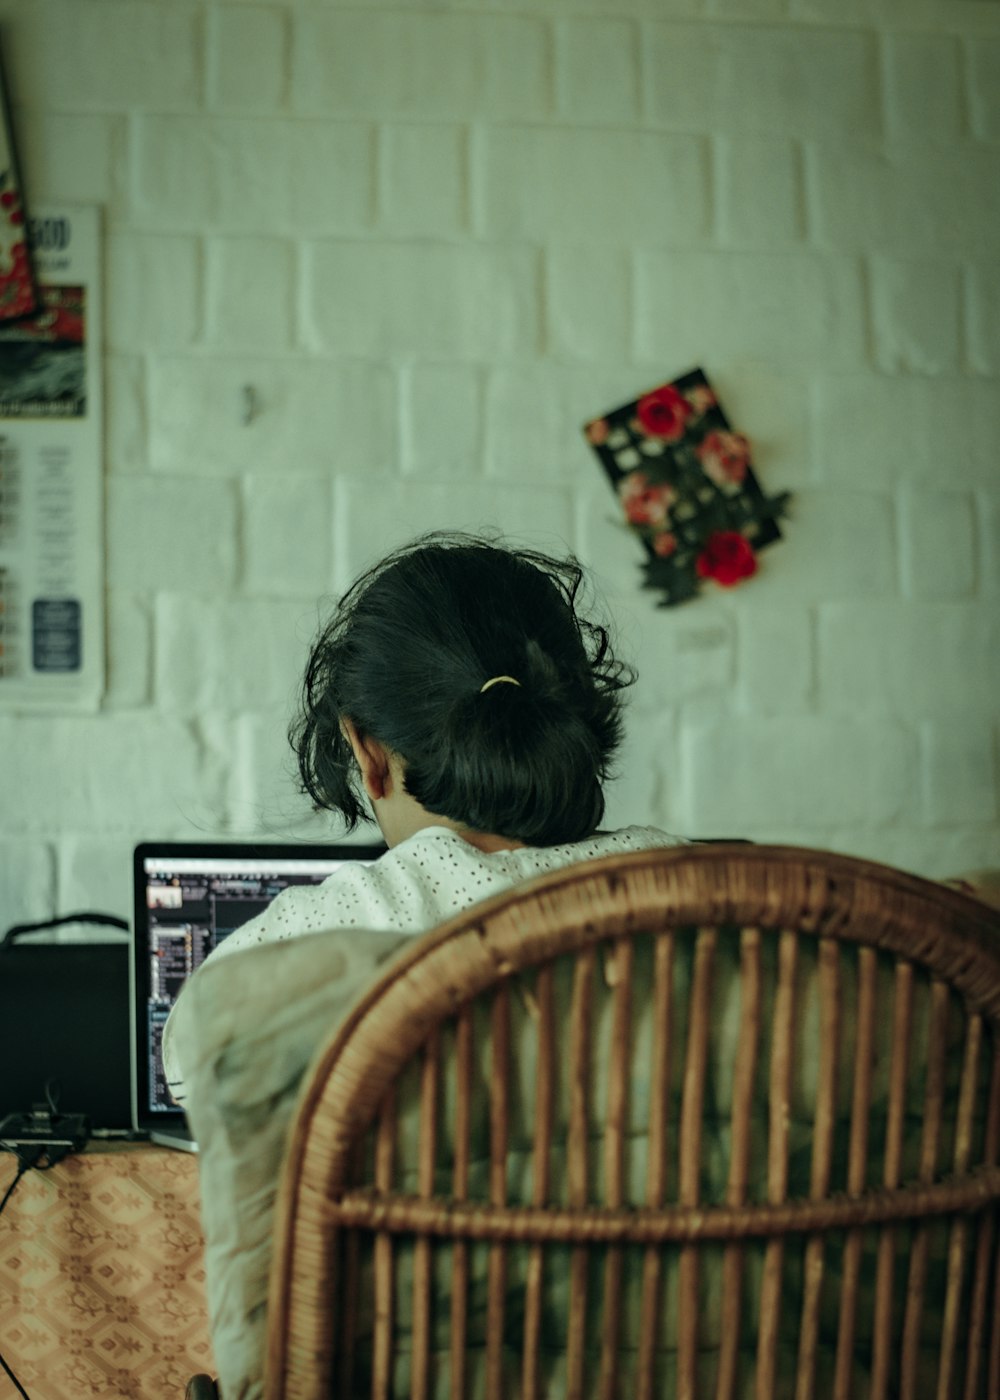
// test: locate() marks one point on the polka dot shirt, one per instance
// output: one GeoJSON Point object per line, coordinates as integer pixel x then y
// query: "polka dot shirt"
{"type": "Point", "coordinates": [412, 888]}
{"type": "Point", "coordinates": [420, 883]}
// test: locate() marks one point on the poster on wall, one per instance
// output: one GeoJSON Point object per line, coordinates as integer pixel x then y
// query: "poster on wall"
{"type": "Point", "coordinates": [18, 293]}
{"type": "Point", "coordinates": [51, 559]}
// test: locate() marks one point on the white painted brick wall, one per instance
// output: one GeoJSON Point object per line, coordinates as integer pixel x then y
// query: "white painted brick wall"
{"type": "Point", "coordinates": [261, 778]}
{"type": "Point", "coordinates": [73, 157]}
{"type": "Point", "coordinates": [981, 315]}
{"type": "Point", "coordinates": [917, 315]}
{"type": "Point", "coordinates": [248, 57]}
{"type": "Point", "coordinates": [913, 660]}
{"type": "Point", "coordinates": [566, 183]}
{"type": "Point", "coordinates": [989, 522]}
{"type": "Point", "coordinates": [938, 544]}
{"type": "Point", "coordinates": [415, 65]}
{"type": "Point", "coordinates": [228, 654]}
{"type": "Point", "coordinates": [443, 421]}
{"type": "Point", "coordinates": [809, 771]}
{"type": "Point", "coordinates": [477, 301]}
{"type": "Point", "coordinates": [911, 198]}
{"type": "Point", "coordinates": [744, 166]}
{"type": "Point", "coordinates": [433, 242]}
{"type": "Point", "coordinates": [423, 188]}
{"type": "Point", "coordinates": [588, 291]}
{"type": "Point", "coordinates": [287, 529]}
{"type": "Point", "coordinates": [147, 516]}
{"type": "Point", "coordinates": [154, 296]}
{"type": "Point", "coordinates": [597, 71]}
{"type": "Point", "coordinates": [763, 79]}
{"type": "Point", "coordinates": [252, 175]}
{"type": "Point", "coordinates": [960, 773]}
{"type": "Point", "coordinates": [128, 772]}
{"type": "Point", "coordinates": [983, 60]}
{"type": "Point", "coordinates": [126, 426]}
{"type": "Point", "coordinates": [879, 429]}
{"type": "Point", "coordinates": [129, 650]}
{"type": "Point", "coordinates": [251, 293]}
{"type": "Point", "coordinates": [799, 307]}
{"type": "Point", "coordinates": [103, 55]}
{"type": "Point", "coordinates": [344, 413]}
{"type": "Point", "coordinates": [924, 96]}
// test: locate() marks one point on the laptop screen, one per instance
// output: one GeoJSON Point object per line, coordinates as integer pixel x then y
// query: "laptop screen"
{"type": "Point", "coordinates": [188, 899]}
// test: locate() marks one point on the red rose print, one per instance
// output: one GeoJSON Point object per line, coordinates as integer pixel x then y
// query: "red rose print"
{"type": "Point", "coordinates": [645, 504]}
{"type": "Point", "coordinates": [663, 413]}
{"type": "Point", "coordinates": [726, 558]}
{"type": "Point", "coordinates": [701, 398]}
{"type": "Point", "coordinates": [665, 545]}
{"type": "Point", "coordinates": [724, 457]}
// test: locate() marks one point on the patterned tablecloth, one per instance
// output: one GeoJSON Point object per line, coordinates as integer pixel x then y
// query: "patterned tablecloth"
{"type": "Point", "coordinates": [102, 1277]}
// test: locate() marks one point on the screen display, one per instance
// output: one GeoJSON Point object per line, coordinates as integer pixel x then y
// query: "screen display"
{"type": "Point", "coordinates": [192, 905]}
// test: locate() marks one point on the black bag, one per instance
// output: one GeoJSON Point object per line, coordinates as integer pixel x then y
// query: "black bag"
{"type": "Point", "coordinates": [64, 1029]}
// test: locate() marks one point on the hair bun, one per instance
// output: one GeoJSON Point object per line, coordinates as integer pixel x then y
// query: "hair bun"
{"type": "Point", "coordinates": [414, 645]}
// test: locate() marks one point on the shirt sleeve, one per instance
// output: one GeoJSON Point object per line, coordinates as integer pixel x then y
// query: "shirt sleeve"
{"type": "Point", "coordinates": [350, 900]}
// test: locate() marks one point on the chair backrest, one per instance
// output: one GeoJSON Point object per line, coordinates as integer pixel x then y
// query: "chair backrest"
{"type": "Point", "coordinates": [716, 1121]}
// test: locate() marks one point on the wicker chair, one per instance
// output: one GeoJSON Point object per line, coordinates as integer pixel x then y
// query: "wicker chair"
{"type": "Point", "coordinates": [714, 1121]}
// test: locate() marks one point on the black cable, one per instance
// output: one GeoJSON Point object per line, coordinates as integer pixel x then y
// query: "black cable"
{"type": "Point", "coordinates": [105, 920]}
{"type": "Point", "coordinates": [23, 1166]}
{"type": "Point", "coordinates": [14, 1380]}
{"type": "Point", "coordinates": [29, 1157]}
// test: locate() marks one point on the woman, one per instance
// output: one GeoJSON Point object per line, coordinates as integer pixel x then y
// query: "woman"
{"type": "Point", "coordinates": [458, 689]}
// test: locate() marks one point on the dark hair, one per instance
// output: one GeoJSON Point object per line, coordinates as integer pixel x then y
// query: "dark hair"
{"type": "Point", "coordinates": [405, 657]}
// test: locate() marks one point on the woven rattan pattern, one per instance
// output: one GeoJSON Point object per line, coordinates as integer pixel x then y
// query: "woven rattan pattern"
{"type": "Point", "coordinates": [754, 1095]}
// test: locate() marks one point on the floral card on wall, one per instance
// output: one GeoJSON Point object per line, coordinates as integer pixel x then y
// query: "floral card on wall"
{"type": "Point", "coordinates": [687, 488]}
{"type": "Point", "coordinates": [18, 296]}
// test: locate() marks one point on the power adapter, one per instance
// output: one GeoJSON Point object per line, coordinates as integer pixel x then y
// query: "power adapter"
{"type": "Point", "coordinates": [50, 1135]}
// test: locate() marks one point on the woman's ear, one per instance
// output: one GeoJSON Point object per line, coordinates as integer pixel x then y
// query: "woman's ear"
{"type": "Point", "coordinates": [372, 759]}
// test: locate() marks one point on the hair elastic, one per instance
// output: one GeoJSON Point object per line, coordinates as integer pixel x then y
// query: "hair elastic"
{"type": "Point", "coordinates": [499, 680]}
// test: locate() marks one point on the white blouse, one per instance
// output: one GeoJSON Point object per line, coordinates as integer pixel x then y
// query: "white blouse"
{"type": "Point", "coordinates": [415, 886]}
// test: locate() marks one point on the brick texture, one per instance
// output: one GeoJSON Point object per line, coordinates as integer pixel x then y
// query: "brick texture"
{"type": "Point", "coordinates": [818, 83]}
{"type": "Point", "coordinates": [920, 200]}
{"type": "Point", "coordinates": [370, 267]}
{"type": "Point", "coordinates": [423, 188]}
{"type": "Point", "coordinates": [934, 660]}
{"type": "Point", "coordinates": [924, 92]}
{"type": "Point", "coordinates": [108, 55]}
{"type": "Point", "coordinates": [798, 307]}
{"type": "Point", "coordinates": [426, 65]}
{"type": "Point", "coordinates": [938, 544]}
{"type": "Point", "coordinates": [819, 772]}
{"type": "Point", "coordinates": [566, 184]}
{"type": "Point", "coordinates": [248, 64]}
{"type": "Point", "coordinates": [229, 655]}
{"type": "Point", "coordinates": [251, 296]}
{"type": "Point", "coordinates": [420, 299]}
{"type": "Point", "coordinates": [72, 157]}
{"type": "Point", "coordinates": [146, 517]}
{"type": "Point", "coordinates": [136, 773]}
{"type": "Point", "coordinates": [154, 291]}
{"type": "Point", "coordinates": [597, 74]}
{"type": "Point", "coordinates": [253, 175]}
{"type": "Point", "coordinates": [917, 316]}
{"type": "Point", "coordinates": [344, 415]}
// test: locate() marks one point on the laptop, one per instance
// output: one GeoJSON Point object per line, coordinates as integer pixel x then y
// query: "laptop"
{"type": "Point", "coordinates": [64, 1031]}
{"type": "Point", "coordinates": [189, 897]}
